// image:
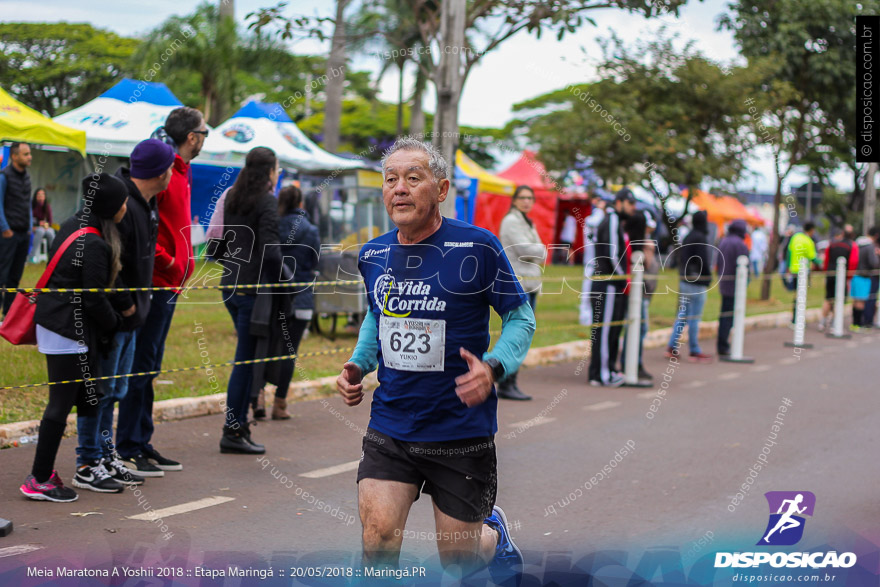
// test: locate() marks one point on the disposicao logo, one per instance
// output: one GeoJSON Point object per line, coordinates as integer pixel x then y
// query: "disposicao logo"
{"type": "Point", "coordinates": [786, 525]}
{"type": "Point", "coordinates": [786, 528]}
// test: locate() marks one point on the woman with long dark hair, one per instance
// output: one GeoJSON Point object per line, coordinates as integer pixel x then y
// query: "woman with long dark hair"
{"type": "Point", "coordinates": [42, 213]}
{"type": "Point", "coordinates": [527, 254]}
{"type": "Point", "coordinates": [72, 330]}
{"type": "Point", "coordinates": [250, 219]}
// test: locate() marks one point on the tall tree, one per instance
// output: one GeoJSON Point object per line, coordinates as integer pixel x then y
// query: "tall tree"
{"type": "Point", "coordinates": [809, 49]}
{"type": "Point", "coordinates": [336, 79]}
{"type": "Point", "coordinates": [660, 116]}
{"type": "Point", "coordinates": [206, 47]}
{"type": "Point", "coordinates": [53, 67]}
{"type": "Point", "coordinates": [484, 26]}
{"type": "Point", "coordinates": [465, 31]}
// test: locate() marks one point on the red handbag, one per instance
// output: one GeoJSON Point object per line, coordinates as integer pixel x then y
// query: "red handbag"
{"type": "Point", "coordinates": [18, 326]}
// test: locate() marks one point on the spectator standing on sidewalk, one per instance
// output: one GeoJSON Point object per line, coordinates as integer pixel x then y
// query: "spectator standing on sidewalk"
{"type": "Point", "coordinates": [301, 247]}
{"type": "Point", "coordinates": [185, 130]}
{"type": "Point", "coordinates": [758, 252]}
{"type": "Point", "coordinates": [73, 329]}
{"type": "Point", "coordinates": [801, 249]}
{"type": "Point", "coordinates": [15, 219]}
{"type": "Point", "coordinates": [149, 174]}
{"type": "Point", "coordinates": [607, 291]}
{"type": "Point", "coordinates": [731, 247]}
{"type": "Point", "coordinates": [527, 254]}
{"type": "Point", "coordinates": [695, 276]}
{"type": "Point", "coordinates": [842, 245]}
{"type": "Point", "coordinates": [864, 282]}
{"type": "Point", "coordinates": [591, 224]}
{"type": "Point", "coordinates": [42, 219]}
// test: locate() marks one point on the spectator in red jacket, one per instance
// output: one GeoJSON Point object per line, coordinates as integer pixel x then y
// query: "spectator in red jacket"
{"type": "Point", "coordinates": [185, 130]}
{"type": "Point", "coordinates": [843, 245]}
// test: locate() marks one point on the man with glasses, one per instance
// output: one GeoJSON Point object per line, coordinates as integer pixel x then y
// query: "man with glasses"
{"type": "Point", "coordinates": [185, 130]}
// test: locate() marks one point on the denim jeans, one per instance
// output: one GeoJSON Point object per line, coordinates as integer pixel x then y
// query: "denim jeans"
{"type": "Point", "coordinates": [96, 432]}
{"type": "Point", "coordinates": [691, 299]}
{"type": "Point", "coordinates": [238, 393]}
{"type": "Point", "coordinates": [134, 428]}
{"type": "Point", "coordinates": [725, 323]}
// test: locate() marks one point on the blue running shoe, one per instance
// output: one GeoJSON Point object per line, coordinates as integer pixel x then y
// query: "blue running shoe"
{"type": "Point", "coordinates": [507, 556]}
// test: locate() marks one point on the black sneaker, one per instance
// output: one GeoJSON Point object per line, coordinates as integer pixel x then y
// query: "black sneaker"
{"type": "Point", "coordinates": [160, 462]}
{"type": "Point", "coordinates": [120, 472]}
{"type": "Point", "coordinates": [142, 467]}
{"type": "Point", "coordinates": [96, 478]}
{"type": "Point", "coordinates": [51, 490]}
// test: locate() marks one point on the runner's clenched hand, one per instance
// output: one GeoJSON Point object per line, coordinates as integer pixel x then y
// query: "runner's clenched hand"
{"type": "Point", "coordinates": [474, 386]}
{"type": "Point", "coordinates": [349, 384]}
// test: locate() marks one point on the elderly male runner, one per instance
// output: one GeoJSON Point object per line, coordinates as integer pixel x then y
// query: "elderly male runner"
{"type": "Point", "coordinates": [430, 284]}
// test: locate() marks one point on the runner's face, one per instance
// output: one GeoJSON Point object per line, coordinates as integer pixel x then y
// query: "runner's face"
{"type": "Point", "coordinates": [411, 194]}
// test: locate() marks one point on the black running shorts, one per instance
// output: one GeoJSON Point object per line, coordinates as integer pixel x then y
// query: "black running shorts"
{"type": "Point", "coordinates": [831, 287]}
{"type": "Point", "coordinates": [460, 475]}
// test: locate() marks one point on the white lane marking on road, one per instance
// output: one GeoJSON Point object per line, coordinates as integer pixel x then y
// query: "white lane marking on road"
{"type": "Point", "coordinates": [646, 394]}
{"type": "Point", "coordinates": [335, 470]}
{"type": "Point", "coordinates": [851, 345]}
{"type": "Point", "coordinates": [694, 383]}
{"type": "Point", "coordinates": [760, 368]}
{"type": "Point", "coordinates": [20, 549]}
{"type": "Point", "coordinates": [788, 361]}
{"type": "Point", "coordinates": [537, 421]}
{"type": "Point", "coordinates": [728, 376]}
{"type": "Point", "coordinates": [602, 406]}
{"type": "Point", "coordinates": [183, 508]}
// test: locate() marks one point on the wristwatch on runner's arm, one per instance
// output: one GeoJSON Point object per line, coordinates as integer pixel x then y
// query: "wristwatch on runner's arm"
{"type": "Point", "coordinates": [497, 369]}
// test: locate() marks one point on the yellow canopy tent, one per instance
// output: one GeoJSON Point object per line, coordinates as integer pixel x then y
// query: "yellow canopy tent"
{"type": "Point", "coordinates": [20, 123]}
{"type": "Point", "coordinates": [488, 183]}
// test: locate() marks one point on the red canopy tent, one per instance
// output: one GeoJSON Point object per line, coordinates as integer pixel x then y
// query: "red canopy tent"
{"type": "Point", "coordinates": [552, 205]}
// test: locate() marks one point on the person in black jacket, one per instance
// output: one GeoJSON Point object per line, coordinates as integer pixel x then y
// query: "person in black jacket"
{"type": "Point", "coordinates": [300, 246]}
{"type": "Point", "coordinates": [695, 276]}
{"type": "Point", "coordinates": [74, 328]}
{"type": "Point", "coordinates": [607, 291]}
{"type": "Point", "coordinates": [150, 172]}
{"type": "Point", "coordinates": [251, 255]}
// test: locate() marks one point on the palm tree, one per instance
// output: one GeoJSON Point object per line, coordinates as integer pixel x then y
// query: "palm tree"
{"type": "Point", "coordinates": [200, 47]}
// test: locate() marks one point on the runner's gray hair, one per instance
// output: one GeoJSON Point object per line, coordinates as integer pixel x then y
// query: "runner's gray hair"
{"type": "Point", "coordinates": [439, 166]}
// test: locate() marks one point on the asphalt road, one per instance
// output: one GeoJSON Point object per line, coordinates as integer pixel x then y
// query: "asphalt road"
{"type": "Point", "coordinates": [674, 479]}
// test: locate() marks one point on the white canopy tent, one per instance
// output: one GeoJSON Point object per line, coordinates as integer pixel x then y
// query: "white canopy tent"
{"type": "Point", "coordinates": [267, 125]}
{"type": "Point", "coordinates": [128, 113]}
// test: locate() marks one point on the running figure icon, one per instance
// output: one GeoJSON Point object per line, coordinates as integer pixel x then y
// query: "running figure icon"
{"type": "Point", "coordinates": [786, 522]}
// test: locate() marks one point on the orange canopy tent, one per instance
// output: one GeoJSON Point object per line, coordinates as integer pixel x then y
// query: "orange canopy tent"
{"type": "Point", "coordinates": [723, 209]}
{"type": "Point", "coordinates": [551, 204]}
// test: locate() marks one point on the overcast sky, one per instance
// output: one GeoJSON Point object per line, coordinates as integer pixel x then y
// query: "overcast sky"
{"type": "Point", "coordinates": [502, 78]}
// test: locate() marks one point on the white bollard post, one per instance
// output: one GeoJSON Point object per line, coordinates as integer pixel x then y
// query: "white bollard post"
{"type": "Point", "coordinates": [634, 322]}
{"type": "Point", "coordinates": [800, 307]}
{"type": "Point", "coordinates": [839, 300]}
{"type": "Point", "coordinates": [739, 312]}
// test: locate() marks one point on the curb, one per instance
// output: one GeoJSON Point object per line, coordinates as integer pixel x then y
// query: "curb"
{"type": "Point", "coordinates": [17, 433]}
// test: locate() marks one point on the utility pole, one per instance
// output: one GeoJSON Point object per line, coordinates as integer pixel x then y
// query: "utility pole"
{"type": "Point", "coordinates": [810, 198]}
{"type": "Point", "coordinates": [227, 8]}
{"type": "Point", "coordinates": [449, 81]}
{"type": "Point", "coordinates": [870, 198]}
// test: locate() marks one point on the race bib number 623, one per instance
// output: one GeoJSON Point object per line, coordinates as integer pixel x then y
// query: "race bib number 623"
{"type": "Point", "coordinates": [413, 344]}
